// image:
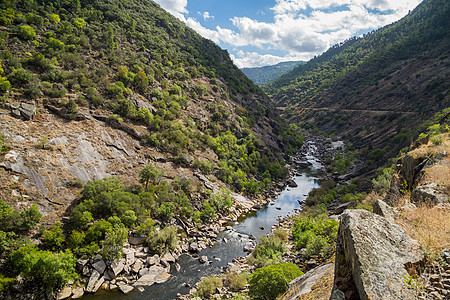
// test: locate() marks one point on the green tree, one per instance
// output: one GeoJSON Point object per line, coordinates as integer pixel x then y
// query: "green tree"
{"type": "Point", "coordinates": [27, 32]}
{"type": "Point", "coordinates": [150, 173]}
{"type": "Point", "coordinates": [269, 282]}
{"type": "Point", "coordinates": [54, 237]}
{"type": "Point", "coordinates": [112, 245]}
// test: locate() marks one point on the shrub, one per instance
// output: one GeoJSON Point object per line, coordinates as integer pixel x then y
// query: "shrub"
{"type": "Point", "coordinates": [268, 250]}
{"type": "Point", "coordinates": [52, 270]}
{"type": "Point", "coordinates": [20, 76]}
{"type": "Point", "coordinates": [5, 85]}
{"type": "Point", "coordinates": [53, 237]}
{"type": "Point", "coordinates": [112, 246]}
{"type": "Point", "coordinates": [162, 241]}
{"type": "Point", "coordinates": [208, 285]}
{"type": "Point", "coordinates": [208, 212]}
{"type": "Point", "coordinates": [5, 282]}
{"type": "Point", "coordinates": [269, 282]}
{"type": "Point", "coordinates": [236, 281]}
{"type": "Point", "coordinates": [150, 173]}
{"type": "Point", "coordinates": [27, 32]}
{"type": "Point", "coordinates": [55, 44]}
{"type": "Point", "coordinates": [166, 211]}
{"type": "Point", "coordinates": [437, 139]}
{"type": "Point", "coordinates": [128, 218]}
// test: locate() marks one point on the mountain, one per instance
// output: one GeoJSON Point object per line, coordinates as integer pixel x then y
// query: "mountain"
{"type": "Point", "coordinates": [263, 75]}
{"type": "Point", "coordinates": [375, 89]}
{"type": "Point", "coordinates": [117, 118]}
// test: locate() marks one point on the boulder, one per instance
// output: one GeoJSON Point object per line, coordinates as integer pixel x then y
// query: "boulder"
{"type": "Point", "coordinates": [146, 280]}
{"type": "Point", "coordinates": [382, 209]}
{"type": "Point", "coordinates": [78, 293]}
{"type": "Point", "coordinates": [163, 277]}
{"type": "Point", "coordinates": [428, 194]}
{"type": "Point", "coordinates": [125, 288]}
{"type": "Point", "coordinates": [291, 183]}
{"type": "Point", "coordinates": [372, 256]}
{"type": "Point", "coordinates": [117, 267]}
{"type": "Point", "coordinates": [154, 260]}
{"type": "Point", "coordinates": [130, 256]}
{"type": "Point", "coordinates": [193, 247]}
{"type": "Point", "coordinates": [100, 266]}
{"type": "Point", "coordinates": [142, 272]}
{"type": "Point", "coordinates": [64, 293]}
{"type": "Point", "coordinates": [136, 240]}
{"type": "Point", "coordinates": [303, 284]}
{"type": "Point", "coordinates": [27, 111]}
{"type": "Point", "coordinates": [137, 266]}
{"type": "Point", "coordinates": [95, 276]}
{"type": "Point", "coordinates": [168, 257]}
{"type": "Point", "coordinates": [203, 259]}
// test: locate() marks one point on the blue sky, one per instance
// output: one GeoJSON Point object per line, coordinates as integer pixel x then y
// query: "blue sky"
{"type": "Point", "coordinates": [266, 32]}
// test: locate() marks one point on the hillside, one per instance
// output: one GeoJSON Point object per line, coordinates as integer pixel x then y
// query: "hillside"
{"type": "Point", "coordinates": [375, 89]}
{"type": "Point", "coordinates": [116, 119]}
{"type": "Point", "coordinates": [263, 75]}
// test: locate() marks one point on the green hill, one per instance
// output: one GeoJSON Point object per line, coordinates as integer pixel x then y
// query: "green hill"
{"type": "Point", "coordinates": [374, 89]}
{"type": "Point", "coordinates": [263, 75]}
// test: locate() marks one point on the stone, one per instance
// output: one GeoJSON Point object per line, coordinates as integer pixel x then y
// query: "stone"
{"type": "Point", "coordinates": [16, 113]}
{"type": "Point", "coordinates": [146, 280]}
{"type": "Point", "coordinates": [142, 272]}
{"type": "Point", "coordinates": [372, 256]}
{"type": "Point", "coordinates": [117, 267]}
{"type": "Point", "coordinates": [168, 257]}
{"type": "Point", "coordinates": [98, 284]}
{"type": "Point", "coordinates": [86, 271]}
{"type": "Point", "coordinates": [155, 270]}
{"type": "Point", "coordinates": [130, 256]}
{"type": "Point", "coordinates": [382, 209]}
{"type": "Point", "coordinates": [303, 284]}
{"type": "Point", "coordinates": [154, 260]}
{"type": "Point", "coordinates": [64, 293]}
{"type": "Point", "coordinates": [124, 288]}
{"type": "Point", "coordinates": [291, 183]}
{"type": "Point", "coordinates": [136, 240]}
{"type": "Point", "coordinates": [100, 266]}
{"type": "Point", "coordinates": [109, 275]}
{"type": "Point", "coordinates": [163, 277]}
{"type": "Point", "coordinates": [95, 276]}
{"type": "Point", "coordinates": [78, 293]}
{"type": "Point", "coordinates": [177, 267]}
{"type": "Point", "coordinates": [141, 289]}
{"type": "Point", "coordinates": [193, 247]}
{"type": "Point", "coordinates": [137, 266]}
{"type": "Point", "coordinates": [27, 111]}
{"type": "Point", "coordinates": [203, 259]}
{"type": "Point", "coordinates": [429, 194]}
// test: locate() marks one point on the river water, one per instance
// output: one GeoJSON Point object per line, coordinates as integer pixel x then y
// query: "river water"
{"type": "Point", "coordinates": [230, 242]}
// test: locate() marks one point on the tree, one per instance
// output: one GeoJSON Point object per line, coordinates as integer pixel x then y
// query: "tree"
{"type": "Point", "coordinates": [269, 282]}
{"type": "Point", "coordinates": [53, 237]}
{"type": "Point", "coordinates": [150, 173]}
{"type": "Point", "coordinates": [112, 246]}
{"type": "Point", "coordinates": [27, 32]}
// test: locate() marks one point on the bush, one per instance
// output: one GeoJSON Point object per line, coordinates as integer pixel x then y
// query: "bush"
{"type": "Point", "coordinates": [150, 173]}
{"type": "Point", "coordinates": [268, 250]}
{"type": "Point", "coordinates": [112, 246]}
{"type": "Point", "coordinates": [166, 211]}
{"type": "Point", "coordinates": [5, 85]}
{"type": "Point", "coordinates": [27, 32]}
{"type": "Point", "coordinates": [208, 285]}
{"type": "Point", "coordinates": [53, 237]}
{"type": "Point", "coordinates": [269, 282]}
{"type": "Point", "coordinates": [236, 281]}
{"type": "Point", "coordinates": [5, 282]}
{"type": "Point", "coordinates": [52, 270]}
{"type": "Point", "coordinates": [162, 241]}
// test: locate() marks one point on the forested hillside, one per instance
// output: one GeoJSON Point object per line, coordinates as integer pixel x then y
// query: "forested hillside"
{"type": "Point", "coordinates": [374, 89]}
{"type": "Point", "coordinates": [263, 75]}
{"type": "Point", "coordinates": [117, 118]}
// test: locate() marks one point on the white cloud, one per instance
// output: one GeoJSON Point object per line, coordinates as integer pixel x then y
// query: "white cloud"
{"type": "Point", "coordinates": [207, 16]}
{"type": "Point", "coordinates": [175, 7]}
{"type": "Point", "coordinates": [254, 59]}
{"type": "Point", "coordinates": [300, 28]}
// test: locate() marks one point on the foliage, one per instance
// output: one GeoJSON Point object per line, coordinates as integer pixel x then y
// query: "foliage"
{"type": "Point", "coordinates": [268, 282]}
{"type": "Point", "coordinates": [162, 241]}
{"type": "Point", "coordinates": [11, 220]}
{"type": "Point", "coordinates": [53, 238]}
{"type": "Point", "coordinates": [207, 286]}
{"type": "Point", "coordinates": [5, 282]}
{"type": "Point", "coordinates": [236, 281]}
{"type": "Point", "coordinates": [263, 75]}
{"type": "Point", "coordinates": [27, 32]}
{"type": "Point", "coordinates": [268, 251]}
{"type": "Point", "coordinates": [150, 173]}
{"type": "Point", "coordinates": [52, 270]}
{"type": "Point", "coordinates": [112, 245]}
{"type": "Point", "coordinates": [317, 235]}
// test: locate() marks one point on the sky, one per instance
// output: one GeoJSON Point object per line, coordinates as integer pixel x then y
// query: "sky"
{"type": "Point", "coordinates": [265, 32]}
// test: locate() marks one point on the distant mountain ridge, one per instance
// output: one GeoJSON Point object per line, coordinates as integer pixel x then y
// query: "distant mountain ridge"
{"type": "Point", "coordinates": [263, 75]}
{"type": "Point", "coordinates": [377, 88]}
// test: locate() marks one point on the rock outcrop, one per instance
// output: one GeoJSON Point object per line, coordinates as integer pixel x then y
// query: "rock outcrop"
{"type": "Point", "coordinates": [372, 256]}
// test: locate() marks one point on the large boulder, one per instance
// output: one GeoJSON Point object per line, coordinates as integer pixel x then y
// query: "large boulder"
{"type": "Point", "coordinates": [429, 194]}
{"type": "Point", "coordinates": [372, 256]}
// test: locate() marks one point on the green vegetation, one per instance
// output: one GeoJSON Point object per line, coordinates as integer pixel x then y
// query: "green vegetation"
{"type": "Point", "coordinates": [263, 75]}
{"type": "Point", "coordinates": [236, 281]}
{"type": "Point", "coordinates": [268, 250]}
{"type": "Point", "coordinates": [317, 235]}
{"type": "Point", "coordinates": [269, 282]}
{"type": "Point", "coordinates": [207, 286]}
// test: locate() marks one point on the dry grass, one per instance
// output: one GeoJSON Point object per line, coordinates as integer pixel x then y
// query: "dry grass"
{"type": "Point", "coordinates": [439, 173]}
{"type": "Point", "coordinates": [429, 226]}
{"type": "Point", "coordinates": [431, 149]}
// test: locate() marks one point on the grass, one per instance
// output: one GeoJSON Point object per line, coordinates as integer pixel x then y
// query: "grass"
{"type": "Point", "coordinates": [430, 226]}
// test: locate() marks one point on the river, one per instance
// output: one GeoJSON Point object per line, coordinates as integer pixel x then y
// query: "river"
{"type": "Point", "coordinates": [230, 242]}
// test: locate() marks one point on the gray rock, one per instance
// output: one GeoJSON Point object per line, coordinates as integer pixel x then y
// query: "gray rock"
{"type": "Point", "coordinates": [78, 293]}
{"type": "Point", "coordinates": [146, 280]}
{"type": "Point", "coordinates": [98, 284]}
{"type": "Point", "coordinates": [303, 284]}
{"type": "Point", "coordinates": [130, 256]}
{"type": "Point", "coordinates": [64, 293]}
{"type": "Point", "coordinates": [193, 247]}
{"type": "Point", "coordinates": [155, 270]}
{"type": "Point", "coordinates": [371, 256]}
{"type": "Point", "coordinates": [291, 183]}
{"type": "Point", "coordinates": [136, 240]}
{"type": "Point", "coordinates": [382, 209]}
{"type": "Point", "coordinates": [27, 111]}
{"type": "Point", "coordinates": [337, 295]}
{"type": "Point", "coordinates": [109, 275]}
{"type": "Point", "coordinates": [142, 272]}
{"type": "Point", "coordinates": [168, 257]}
{"type": "Point", "coordinates": [163, 277]}
{"type": "Point", "coordinates": [16, 113]}
{"type": "Point", "coordinates": [203, 259]}
{"type": "Point", "coordinates": [100, 266]}
{"type": "Point", "coordinates": [117, 267]}
{"type": "Point", "coordinates": [177, 267]}
{"type": "Point", "coordinates": [154, 260]}
{"type": "Point", "coordinates": [95, 276]}
{"type": "Point", "coordinates": [137, 266]}
{"type": "Point", "coordinates": [124, 288]}
{"type": "Point", "coordinates": [81, 263]}
{"type": "Point", "coordinates": [429, 194]}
